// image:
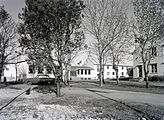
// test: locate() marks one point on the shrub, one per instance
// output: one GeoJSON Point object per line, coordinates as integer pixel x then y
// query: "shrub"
{"type": "Point", "coordinates": [156, 78]}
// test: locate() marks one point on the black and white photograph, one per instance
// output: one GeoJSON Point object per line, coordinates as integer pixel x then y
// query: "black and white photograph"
{"type": "Point", "coordinates": [81, 59]}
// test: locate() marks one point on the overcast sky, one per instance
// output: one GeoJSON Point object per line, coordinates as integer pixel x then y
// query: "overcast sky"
{"type": "Point", "coordinates": [13, 7]}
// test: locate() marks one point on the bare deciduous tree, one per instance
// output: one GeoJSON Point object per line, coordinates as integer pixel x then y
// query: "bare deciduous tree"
{"type": "Point", "coordinates": [120, 51]}
{"type": "Point", "coordinates": [68, 61]}
{"type": "Point", "coordinates": [106, 21]}
{"type": "Point", "coordinates": [148, 30]}
{"type": "Point", "coordinates": [8, 43]}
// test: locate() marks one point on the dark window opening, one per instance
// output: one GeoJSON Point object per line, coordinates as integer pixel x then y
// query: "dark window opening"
{"type": "Point", "coordinates": [81, 71]}
{"type": "Point", "coordinates": [122, 73]}
{"type": "Point", "coordinates": [140, 70]}
{"type": "Point", "coordinates": [78, 72]}
{"type": "Point", "coordinates": [40, 70]}
{"type": "Point", "coordinates": [31, 69]}
{"type": "Point", "coordinates": [107, 66]}
{"type": "Point", "coordinates": [89, 72]}
{"type": "Point", "coordinates": [154, 68]}
{"type": "Point", "coordinates": [49, 70]}
{"type": "Point", "coordinates": [154, 51]}
{"type": "Point", "coordinates": [85, 72]}
{"type": "Point", "coordinates": [113, 73]}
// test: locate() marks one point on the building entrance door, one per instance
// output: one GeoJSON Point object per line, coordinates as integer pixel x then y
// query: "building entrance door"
{"type": "Point", "coordinates": [140, 70]}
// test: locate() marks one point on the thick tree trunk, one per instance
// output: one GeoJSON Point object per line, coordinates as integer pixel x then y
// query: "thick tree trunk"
{"type": "Point", "coordinates": [16, 69]}
{"type": "Point", "coordinates": [68, 68]}
{"type": "Point", "coordinates": [58, 89]}
{"type": "Point", "coordinates": [67, 75]}
{"type": "Point", "coordinates": [117, 76]}
{"type": "Point", "coordinates": [1, 65]}
{"type": "Point", "coordinates": [0, 74]}
{"type": "Point", "coordinates": [57, 79]}
{"type": "Point", "coordinates": [58, 86]}
{"type": "Point", "coordinates": [103, 79]}
{"type": "Point", "coordinates": [147, 82]}
{"type": "Point", "coordinates": [100, 73]}
{"type": "Point", "coordinates": [60, 78]}
{"type": "Point", "coordinates": [1, 70]}
{"type": "Point", "coordinates": [146, 76]}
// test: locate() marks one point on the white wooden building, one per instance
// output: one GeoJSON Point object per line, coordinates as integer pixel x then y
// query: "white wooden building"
{"type": "Point", "coordinates": [156, 67]}
{"type": "Point", "coordinates": [80, 72]}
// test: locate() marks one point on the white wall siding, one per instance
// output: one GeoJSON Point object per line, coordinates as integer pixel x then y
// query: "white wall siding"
{"type": "Point", "coordinates": [87, 75]}
{"type": "Point", "coordinates": [159, 60]}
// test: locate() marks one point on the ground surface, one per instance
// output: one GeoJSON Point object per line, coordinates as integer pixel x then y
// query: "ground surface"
{"type": "Point", "coordinates": [76, 103]}
{"type": "Point", "coordinates": [155, 87]}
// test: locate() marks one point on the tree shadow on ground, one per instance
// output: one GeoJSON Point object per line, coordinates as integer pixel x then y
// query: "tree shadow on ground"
{"type": "Point", "coordinates": [15, 88]}
{"type": "Point", "coordinates": [2, 85]}
{"type": "Point", "coordinates": [45, 89]}
{"type": "Point", "coordinates": [84, 84]}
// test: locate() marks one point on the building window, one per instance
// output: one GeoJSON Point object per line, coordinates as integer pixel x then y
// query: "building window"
{"type": "Point", "coordinates": [122, 67]}
{"type": "Point", "coordinates": [31, 69]}
{"type": "Point", "coordinates": [140, 70]}
{"type": "Point", "coordinates": [107, 66]}
{"type": "Point", "coordinates": [89, 72]}
{"type": "Point", "coordinates": [108, 73]}
{"type": "Point", "coordinates": [122, 73]}
{"type": "Point", "coordinates": [40, 70]}
{"type": "Point", "coordinates": [154, 68]}
{"type": "Point", "coordinates": [113, 73]}
{"type": "Point", "coordinates": [81, 71]}
{"type": "Point", "coordinates": [154, 51]}
{"type": "Point", "coordinates": [49, 70]}
{"type": "Point", "coordinates": [78, 72]}
{"type": "Point", "coordinates": [85, 72]}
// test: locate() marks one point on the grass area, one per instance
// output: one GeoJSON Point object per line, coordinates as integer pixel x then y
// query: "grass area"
{"type": "Point", "coordinates": [123, 86]}
{"type": "Point", "coordinates": [71, 107]}
{"type": "Point", "coordinates": [42, 104]}
{"type": "Point", "coordinates": [106, 109]}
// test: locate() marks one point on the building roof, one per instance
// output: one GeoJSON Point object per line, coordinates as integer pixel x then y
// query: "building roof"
{"type": "Point", "coordinates": [90, 62]}
{"type": "Point", "coordinates": [74, 68]}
